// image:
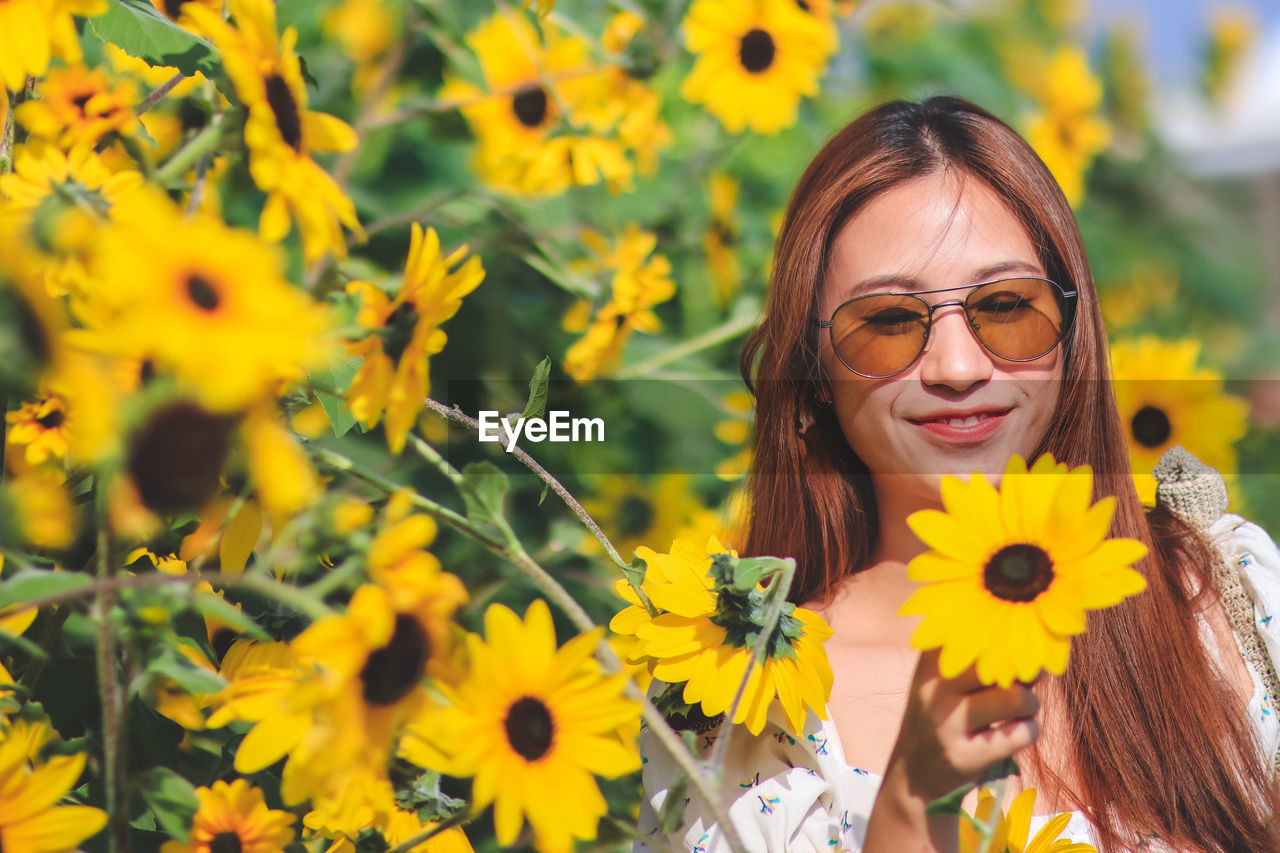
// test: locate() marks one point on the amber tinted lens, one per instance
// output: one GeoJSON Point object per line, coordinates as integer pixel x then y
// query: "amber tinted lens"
{"type": "Point", "coordinates": [1020, 318]}
{"type": "Point", "coordinates": [881, 334]}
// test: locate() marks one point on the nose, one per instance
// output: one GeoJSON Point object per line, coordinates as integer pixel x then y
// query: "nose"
{"type": "Point", "coordinates": [952, 355]}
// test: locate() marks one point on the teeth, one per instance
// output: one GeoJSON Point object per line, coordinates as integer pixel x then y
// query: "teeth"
{"type": "Point", "coordinates": [964, 422]}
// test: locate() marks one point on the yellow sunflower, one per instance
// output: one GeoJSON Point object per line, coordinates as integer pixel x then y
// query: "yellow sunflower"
{"type": "Point", "coordinates": [205, 301]}
{"type": "Point", "coordinates": [532, 85]}
{"type": "Point", "coordinates": [54, 201]}
{"type": "Point", "coordinates": [282, 474]}
{"type": "Point", "coordinates": [532, 724]}
{"type": "Point", "coordinates": [80, 105]}
{"type": "Point", "coordinates": [39, 426]}
{"type": "Point", "coordinates": [639, 279]}
{"type": "Point", "coordinates": [234, 817]}
{"type": "Point", "coordinates": [42, 508]}
{"type": "Point", "coordinates": [1012, 572]}
{"type": "Point", "coordinates": [175, 11]}
{"type": "Point", "coordinates": [399, 826]}
{"type": "Point", "coordinates": [356, 680]}
{"type": "Point", "coordinates": [1011, 829]}
{"type": "Point", "coordinates": [701, 637]}
{"type": "Point", "coordinates": [1165, 399]}
{"type": "Point", "coordinates": [30, 819]}
{"type": "Point", "coordinates": [756, 59]}
{"type": "Point", "coordinates": [405, 332]}
{"type": "Point", "coordinates": [31, 31]}
{"type": "Point", "coordinates": [281, 132]}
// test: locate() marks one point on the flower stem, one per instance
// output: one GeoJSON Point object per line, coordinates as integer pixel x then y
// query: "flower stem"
{"type": "Point", "coordinates": [188, 155]}
{"type": "Point", "coordinates": [457, 416]}
{"type": "Point", "coordinates": [113, 719]}
{"type": "Point", "coordinates": [439, 511]}
{"type": "Point", "coordinates": [726, 331]}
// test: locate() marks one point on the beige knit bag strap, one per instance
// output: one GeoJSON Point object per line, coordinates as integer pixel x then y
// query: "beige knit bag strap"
{"type": "Point", "coordinates": [1196, 493]}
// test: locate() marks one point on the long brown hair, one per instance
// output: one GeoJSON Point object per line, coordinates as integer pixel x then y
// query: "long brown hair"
{"type": "Point", "coordinates": [1153, 747]}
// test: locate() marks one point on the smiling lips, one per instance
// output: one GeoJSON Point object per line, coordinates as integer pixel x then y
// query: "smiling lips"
{"type": "Point", "coordinates": [963, 427]}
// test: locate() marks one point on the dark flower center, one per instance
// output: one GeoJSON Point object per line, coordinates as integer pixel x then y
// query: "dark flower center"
{"type": "Point", "coordinates": [223, 640]}
{"type": "Point", "coordinates": [1151, 427]}
{"type": "Point", "coordinates": [756, 51]}
{"type": "Point", "coordinates": [175, 458]}
{"type": "Point", "coordinates": [397, 334]}
{"type": "Point", "coordinates": [723, 232]}
{"type": "Point", "coordinates": [1018, 573]}
{"type": "Point", "coordinates": [288, 119]}
{"type": "Point", "coordinates": [225, 842]}
{"type": "Point", "coordinates": [53, 420]}
{"type": "Point", "coordinates": [805, 7]}
{"type": "Point", "coordinates": [635, 515]}
{"type": "Point", "coordinates": [173, 8]}
{"type": "Point", "coordinates": [391, 672]}
{"type": "Point", "coordinates": [81, 100]}
{"type": "Point", "coordinates": [202, 293]}
{"type": "Point", "coordinates": [530, 106]}
{"type": "Point", "coordinates": [530, 729]}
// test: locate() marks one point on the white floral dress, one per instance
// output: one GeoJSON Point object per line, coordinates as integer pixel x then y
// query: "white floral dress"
{"type": "Point", "coordinates": [789, 793]}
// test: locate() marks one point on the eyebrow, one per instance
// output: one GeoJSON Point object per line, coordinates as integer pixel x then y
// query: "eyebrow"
{"type": "Point", "coordinates": [907, 283]}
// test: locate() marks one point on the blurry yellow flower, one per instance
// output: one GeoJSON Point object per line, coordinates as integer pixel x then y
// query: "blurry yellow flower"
{"type": "Point", "coordinates": [80, 105]}
{"type": "Point", "coordinates": [281, 132]}
{"type": "Point", "coordinates": [909, 20]}
{"type": "Point", "coordinates": [632, 512]}
{"type": "Point", "coordinates": [174, 10]}
{"type": "Point", "coordinates": [1232, 33]}
{"type": "Point", "coordinates": [689, 641]}
{"type": "Point", "coordinates": [206, 301]}
{"type": "Point", "coordinates": [639, 280]}
{"type": "Point", "coordinates": [1067, 131]}
{"type": "Point", "coordinates": [43, 509]}
{"type": "Point", "coordinates": [756, 59]}
{"type": "Point", "coordinates": [54, 200]}
{"type": "Point", "coordinates": [31, 31]}
{"type": "Point", "coordinates": [169, 565]}
{"type": "Point", "coordinates": [400, 826]}
{"type": "Point", "coordinates": [350, 515]}
{"type": "Point", "coordinates": [364, 28]}
{"type": "Point", "coordinates": [533, 725]}
{"type": "Point", "coordinates": [1165, 399]}
{"type": "Point", "coordinates": [405, 332]}
{"type": "Point", "coordinates": [235, 817]}
{"type": "Point", "coordinates": [39, 427]}
{"type": "Point", "coordinates": [1011, 830]}
{"type": "Point", "coordinates": [281, 472]}
{"type": "Point", "coordinates": [30, 819]}
{"type": "Point", "coordinates": [1010, 574]}
{"type": "Point", "coordinates": [529, 83]}
{"type": "Point", "coordinates": [1149, 286]}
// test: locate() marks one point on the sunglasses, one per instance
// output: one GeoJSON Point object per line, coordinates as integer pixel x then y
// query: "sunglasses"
{"type": "Point", "coordinates": [1017, 319]}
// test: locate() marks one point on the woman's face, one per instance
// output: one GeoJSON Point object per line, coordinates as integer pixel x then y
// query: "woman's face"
{"type": "Point", "coordinates": [931, 233]}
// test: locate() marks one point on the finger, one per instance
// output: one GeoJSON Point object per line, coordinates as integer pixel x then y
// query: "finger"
{"type": "Point", "coordinates": [998, 704]}
{"type": "Point", "coordinates": [1004, 739]}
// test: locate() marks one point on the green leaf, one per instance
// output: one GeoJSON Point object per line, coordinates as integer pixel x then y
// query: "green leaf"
{"type": "Point", "coordinates": [141, 31]}
{"type": "Point", "coordinates": [949, 804]}
{"type": "Point", "coordinates": [219, 608]}
{"type": "Point", "coordinates": [182, 672]}
{"type": "Point", "coordinates": [171, 798]}
{"type": "Point", "coordinates": [31, 584]}
{"type": "Point", "coordinates": [483, 487]}
{"type": "Point", "coordinates": [537, 405]}
{"type": "Point", "coordinates": [999, 770]}
{"type": "Point", "coordinates": [338, 377]}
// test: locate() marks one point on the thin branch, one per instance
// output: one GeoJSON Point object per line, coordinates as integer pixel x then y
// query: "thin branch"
{"type": "Point", "coordinates": [188, 155]}
{"type": "Point", "coordinates": [165, 88]}
{"type": "Point", "coordinates": [458, 416]}
{"type": "Point", "coordinates": [113, 719]}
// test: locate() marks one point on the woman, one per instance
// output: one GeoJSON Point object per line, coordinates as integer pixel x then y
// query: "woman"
{"type": "Point", "coordinates": [1159, 735]}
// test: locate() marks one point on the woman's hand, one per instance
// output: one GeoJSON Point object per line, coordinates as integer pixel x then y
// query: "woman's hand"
{"type": "Point", "coordinates": [952, 731]}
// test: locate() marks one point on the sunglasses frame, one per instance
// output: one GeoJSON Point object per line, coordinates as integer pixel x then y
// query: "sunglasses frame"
{"type": "Point", "coordinates": [1069, 312]}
